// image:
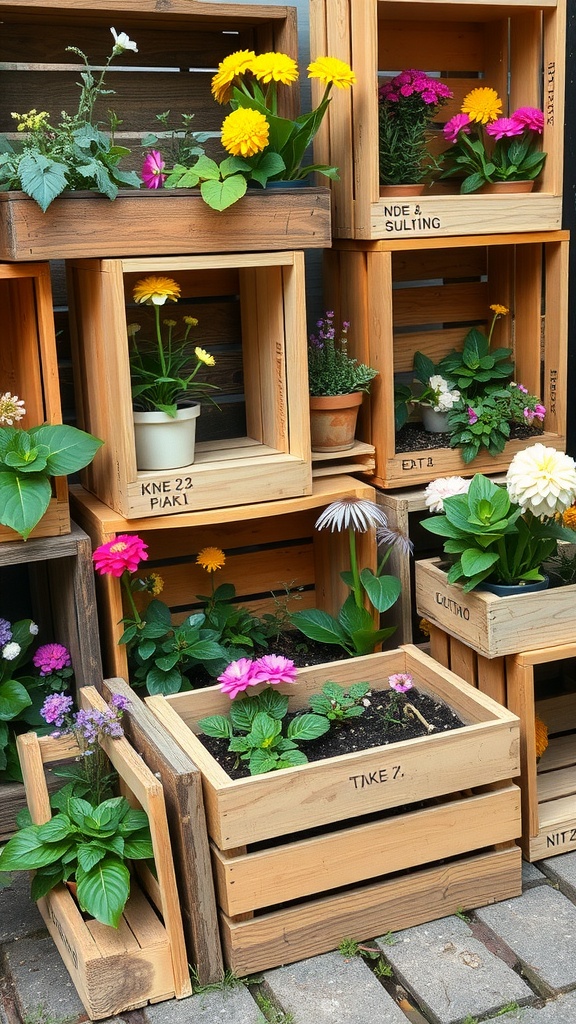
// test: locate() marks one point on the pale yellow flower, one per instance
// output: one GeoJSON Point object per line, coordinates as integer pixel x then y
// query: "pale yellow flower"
{"type": "Point", "coordinates": [332, 71]}
{"type": "Point", "coordinates": [204, 357]}
{"type": "Point", "coordinates": [155, 584]}
{"type": "Point", "coordinates": [229, 71]}
{"type": "Point", "coordinates": [274, 67]}
{"type": "Point", "coordinates": [211, 559]}
{"type": "Point", "coordinates": [156, 291]}
{"type": "Point", "coordinates": [191, 321]}
{"type": "Point", "coordinates": [245, 132]}
{"type": "Point", "coordinates": [482, 105]}
{"type": "Point", "coordinates": [542, 480]}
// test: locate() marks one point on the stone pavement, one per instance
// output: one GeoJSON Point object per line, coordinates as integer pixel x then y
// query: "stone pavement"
{"type": "Point", "coordinates": [510, 963]}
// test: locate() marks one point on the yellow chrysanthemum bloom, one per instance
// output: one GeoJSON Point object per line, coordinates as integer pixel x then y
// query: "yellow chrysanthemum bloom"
{"type": "Point", "coordinates": [332, 71]}
{"type": "Point", "coordinates": [155, 291]}
{"type": "Point", "coordinates": [211, 559]}
{"type": "Point", "coordinates": [229, 70]}
{"type": "Point", "coordinates": [191, 321]}
{"type": "Point", "coordinates": [424, 626]}
{"type": "Point", "coordinates": [482, 105]}
{"type": "Point", "coordinates": [274, 67]}
{"type": "Point", "coordinates": [500, 310]}
{"type": "Point", "coordinates": [569, 517]}
{"type": "Point", "coordinates": [204, 357]}
{"type": "Point", "coordinates": [245, 132]}
{"type": "Point", "coordinates": [541, 733]}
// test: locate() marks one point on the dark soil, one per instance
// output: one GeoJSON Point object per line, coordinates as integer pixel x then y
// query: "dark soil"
{"type": "Point", "coordinates": [384, 721]}
{"type": "Point", "coordinates": [302, 651]}
{"type": "Point", "coordinates": [413, 438]}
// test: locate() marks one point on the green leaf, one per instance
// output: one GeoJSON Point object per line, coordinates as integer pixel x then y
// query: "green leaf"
{"type": "Point", "coordinates": [41, 178]}
{"type": "Point", "coordinates": [25, 499]}
{"type": "Point", "coordinates": [25, 851]}
{"type": "Point", "coordinates": [264, 730]}
{"type": "Point", "coordinates": [474, 561]}
{"type": "Point", "coordinates": [103, 891]}
{"type": "Point", "coordinates": [261, 762]}
{"type": "Point", "coordinates": [45, 879]}
{"type": "Point", "coordinates": [70, 449]}
{"type": "Point", "coordinates": [54, 831]}
{"type": "Point", "coordinates": [383, 591]}
{"type": "Point", "coordinates": [319, 625]}
{"type": "Point", "coordinates": [353, 618]}
{"type": "Point", "coordinates": [222, 194]}
{"type": "Point", "coordinates": [291, 758]}
{"type": "Point", "coordinates": [89, 854]}
{"type": "Point", "coordinates": [163, 682]}
{"type": "Point", "coordinates": [139, 847]}
{"type": "Point", "coordinates": [243, 713]}
{"type": "Point", "coordinates": [133, 820]}
{"type": "Point", "coordinates": [307, 727]}
{"type": "Point", "coordinates": [216, 725]}
{"type": "Point", "coordinates": [13, 699]}
{"type": "Point", "coordinates": [273, 703]}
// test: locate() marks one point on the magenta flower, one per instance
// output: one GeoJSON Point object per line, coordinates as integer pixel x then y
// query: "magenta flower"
{"type": "Point", "coordinates": [51, 657]}
{"type": "Point", "coordinates": [122, 553]}
{"type": "Point", "coordinates": [453, 127]}
{"type": "Point", "coordinates": [273, 668]}
{"type": "Point", "coordinates": [400, 681]}
{"type": "Point", "coordinates": [504, 128]}
{"type": "Point", "coordinates": [152, 169]}
{"type": "Point", "coordinates": [55, 708]}
{"type": "Point", "coordinates": [472, 417]}
{"type": "Point", "coordinates": [237, 676]}
{"type": "Point", "coordinates": [530, 118]}
{"type": "Point", "coordinates": [522, 389]}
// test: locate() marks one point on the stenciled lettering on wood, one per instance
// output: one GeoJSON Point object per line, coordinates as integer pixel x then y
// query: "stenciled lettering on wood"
{"type": "Point", "coordinates": [63, 936]}
{"type": "Point", "coordinates": [423, 463]}
{"type": "Point", "coordinates": [550, 86]}
{"type": "Point", "coordinates": [402, 218]}
{"type": "Point", "coordinates": [561, 838]}
{"type": "Point", "coordinates": [452, 606]}
{"type": "Point", "coordinates": [553, 388]}
{"type": "Point", "coordinates": [167, 493]}
{"type": "Point", "coordinates": [377, 776]}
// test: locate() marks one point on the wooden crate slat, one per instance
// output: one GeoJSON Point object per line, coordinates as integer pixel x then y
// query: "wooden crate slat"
{"type": "Point", "coordinates": [552, 785]}
{"type": "Point", "coordinates": [561, 751]}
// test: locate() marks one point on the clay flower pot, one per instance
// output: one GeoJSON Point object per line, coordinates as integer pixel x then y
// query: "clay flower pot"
{"type": "Point", "coordinates": [333, 421]}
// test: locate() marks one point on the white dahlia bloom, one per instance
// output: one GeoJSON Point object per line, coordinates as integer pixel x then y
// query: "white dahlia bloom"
{"type": "Point", "coordinates": [444, 487]}
{"type": "Point", "coordinates": [542, 480]}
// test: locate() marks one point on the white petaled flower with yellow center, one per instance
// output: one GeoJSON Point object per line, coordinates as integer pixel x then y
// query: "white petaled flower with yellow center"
{"type": "Point", "coordinates": [542, 480]}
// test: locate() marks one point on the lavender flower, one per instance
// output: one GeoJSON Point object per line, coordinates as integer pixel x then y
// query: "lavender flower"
{"type": "Point", "coordinates": [55, 708]}
{"type": "Point", "coordinates": [5, 632]}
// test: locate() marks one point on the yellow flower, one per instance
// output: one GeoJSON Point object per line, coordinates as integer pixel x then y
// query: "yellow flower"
{"type": "Point", "coordinates": [424, 627]}
{"type": "Point", "coordinates": [274, 67]}
{"type": "Point", "coordinates": [332, 71]}
{"type": "Point", "coordinates": [155, 584]}
{"type": "Point", "coordinates": [569, 517]}
{"type": "Point", "coordinates": [170, 323]}
{"type": "Point", "coordinates": [133, 330]}
{"type": "Point", "coordinates": [245, 132]}
{"type": "Point", "coordinates": [482, 105]}
{"type": "Point", "coordinates": [191, 321]}
{"type": "Point", "coordinates": [204, 357]}
{"type": "Point", "coordinates": [229, 70]}
{"type": "Point", "coordinates": [541, 735]}
{"type": "Point", "coordinates": [211, 559]}
{"type": "Point", "coordinates": [500, 310]}
{"type": "Point", "coordinates": [156, 290]}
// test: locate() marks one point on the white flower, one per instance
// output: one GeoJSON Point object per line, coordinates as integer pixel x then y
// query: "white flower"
{"type": "Point", "coordinates": [11, 409]}
{"type": "Point", "coordinates": [357, 514]}
{"type": "Point", "coordinates": [11, 651]}
{"type": "Point", "coordinates": [122, 42]}
{"type": "Point", "coordinates": [438, 383]}
{"type": "Point", "coordinates": [542, 480]}
{"type": "Point", "coordinates": [445, 400]}
{"type": "Point", "coordinates": [444, 487]}
{"type": "Point", "coordinates": [33, 629]}
{"type": "Point", "coordinates": [394, 536]}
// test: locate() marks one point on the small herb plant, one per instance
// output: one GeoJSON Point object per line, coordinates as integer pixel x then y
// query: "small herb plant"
{"type": "Point", "coordinates": [331, 370]}
{"type": "Point", "coordinates": [338, 704]}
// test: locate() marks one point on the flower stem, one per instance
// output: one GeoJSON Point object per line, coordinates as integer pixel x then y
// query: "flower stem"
{"type": "Point", "coordinates": [356, 584]}
{"type": "Point", "coordinates": [159, 338]}
{"type": "Point", "coordinates": [128, 589]}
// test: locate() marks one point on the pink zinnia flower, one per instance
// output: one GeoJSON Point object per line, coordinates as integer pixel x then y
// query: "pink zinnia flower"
{"type": "Point", "coordinates": [453, 127]}
{"type": "Point", "coordinates": [123, 553]}
{"type": "Point", "coordinates": [152, 169]}
{"type": "Point", "coordinates": [472, 417]}
{"type": "Point", "coordinates": [504, 127]}
{"type": "Point", "coordinates": [50, 657]}
{"type": "Point", "coordinates": [530, 118]}
{"type": "Point", "coordinates": [273, 668]}
{"type": "Point", "coordinates": [400, 681]}
{"type": "Point", "coordinates": [236, 677]}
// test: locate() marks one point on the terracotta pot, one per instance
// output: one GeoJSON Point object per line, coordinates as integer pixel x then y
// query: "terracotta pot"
{"type": "Point", "coordinates": [402, 190]}
{"type": "Point", "coordinates": [165, 442]}
{"type": "Point", "coordinates": [512, 187]}
{"type": "Point", "coordinates": [333, 421]}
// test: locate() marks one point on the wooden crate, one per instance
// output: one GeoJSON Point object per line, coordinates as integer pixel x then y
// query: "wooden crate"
{"type": "Point", "coordinates": [359, 459]}
{"type": "Point", "coordinates": [144, 960]}
{"type": "Point", "coordinates": [268, 547]}
{"type": "Point", "coordinates": [63, 603]}
{"type": "Point", "coordinates": [354, 879]}
{"type": "Point", "coordinates": [179, 47]}
{"type": "Point", "coordinates": [549, 786]}
{"type": "Point", "coordinates": [29, 369]}
{"type": "Point", "coordinates": [251, 311]}
{"type": "Point", "coordinates": [402, 298]}
{"type": "Point", "coordinates": [516, 49]}
{"type": "Point", "coordinates": [495, 626]}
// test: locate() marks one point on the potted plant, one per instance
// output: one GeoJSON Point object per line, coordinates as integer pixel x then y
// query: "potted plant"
{"type": "Point", "coordinates": [491, 152]}
{"type": "Point", "coordinates": [264, 148]}
{"type": "Point", "coordinates": [165, 388]}
{"type": "Point", "coordinates": [497, 540]}
{"type": "Point", "coordinates": [407, 106]}
{"type": "Point", "coordinates": [336, 383]}
{"type": "Point", "coordinates": [30, 458]}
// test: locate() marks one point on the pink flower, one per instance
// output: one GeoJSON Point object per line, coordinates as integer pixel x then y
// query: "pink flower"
{"type": "Point", "coordinates": [55, 707]}
{"type": "Point", "coordinates": [237, 676]}
{"type": "Point", "coordinates": [273, 668]}
{"type": "Point", "coordinates": [124, 552]}
{"type": "Point", "coordinates": [51, 657]}
{"type": "Point", "coordinates": [152, 169]}
{"type": "Point", "coordinates": [472, 417]}
{"type": "Point", "coordinates": [400, 681]}
{"type": "Point", "coordinates": [453, 127]}
{"type": "Point", "coordinates": [530, 118]}
{"type": "Point", "coordinates": [504, 127]}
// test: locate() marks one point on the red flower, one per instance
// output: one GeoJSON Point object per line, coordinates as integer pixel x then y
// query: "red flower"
{"type": "Point", "coordinates": [120, 554]}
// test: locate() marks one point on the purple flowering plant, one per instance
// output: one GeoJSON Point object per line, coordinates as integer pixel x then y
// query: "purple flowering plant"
{"type": "Point", "coordinates": [25, 679]}
{"type": "Point", "coordinates": [407, 107]}
{"type": "Point", "coordinates": [331, 369]}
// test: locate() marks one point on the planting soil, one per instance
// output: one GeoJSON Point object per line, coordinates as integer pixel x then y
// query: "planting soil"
{"type": "Point", "coordinates": [413, 438]}
{"type": "Point", "coordinates": [387, 719]}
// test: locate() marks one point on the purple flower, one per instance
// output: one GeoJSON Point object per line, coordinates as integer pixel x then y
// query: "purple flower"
{"type": "Point", "coordinates": [522, 389]}
{"type": "Point", "coordinates": [504, 127]}
{"type": "Point", "coordinates": [530, 118]}
{"type": "Point", "coordinates": [152, 169]}
{"type": "Point", "coordinates": [55, 708]}
{"type": "Point", "coordinates": [120, 702]}
{"type": "Point", "coordinates": [5, 632]}
{"type": "Point", "coordinates": [400, 681]}
{"type": "Point", "coordinates": [453, 127]}
{"type": "Point", "coordinates": [472, 417]}
{"type": "Point", "coordinates": [273, 668]}
{"type": "Point", "coordinates": [51, 657]}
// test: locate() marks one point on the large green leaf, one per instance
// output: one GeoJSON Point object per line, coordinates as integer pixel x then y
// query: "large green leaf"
{"type": "Point", "coordinates": [13, 699]}
{"type": "Point", "coordinates": [273, 703]}
{"type": "Point", "coordinates": [222, 194]}
{"type": "Point", "coordinates": [24, 500]}
{"type": "Point", "coordinates": [216, 725]}
{"type": "Point", "coordinates": [474, 561]}
{"type": "Point", "coordinates": [319, 625]}
{"type": "Point", "coordinates": [264, 730]}
{"type": "Point", "coordinates": [308, 727]}
{"type": "Point", "coordinates": [139, 846]}
{"type": "Point", "coordinates": [383, 591]}
{"type": "Point", "coordinates": [25, 851]}
{"type": "Point", "coordinates": [70, 449]}
{"type": "Point", "coordinates": [104, 890]}
{"type": "Point", "coordinates": [41, 178]}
